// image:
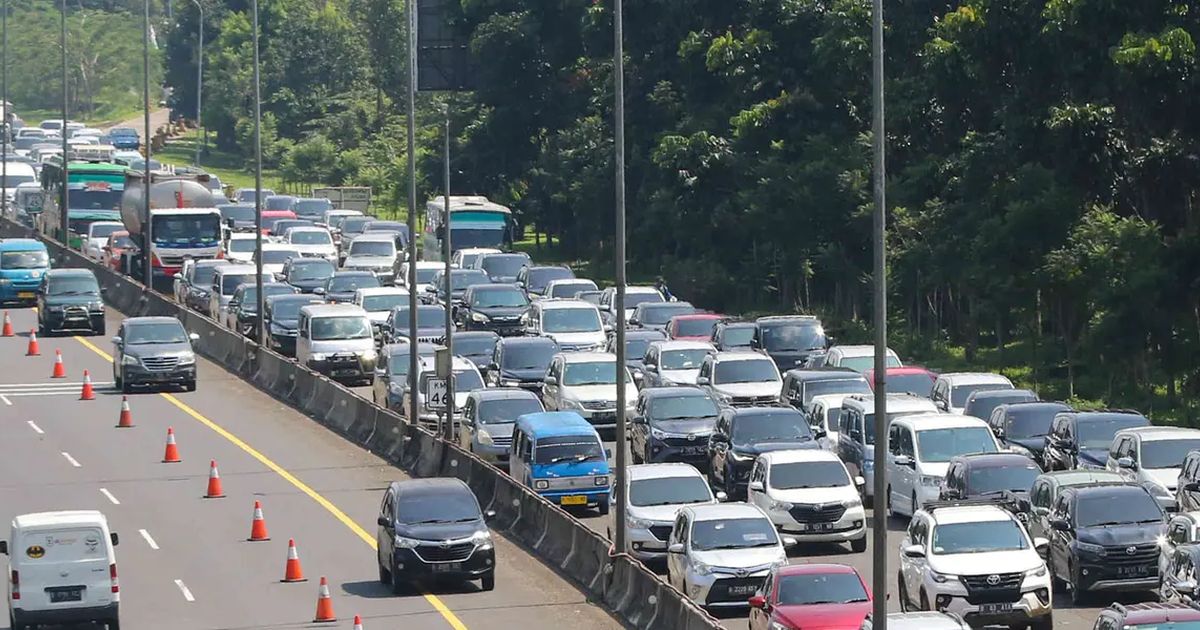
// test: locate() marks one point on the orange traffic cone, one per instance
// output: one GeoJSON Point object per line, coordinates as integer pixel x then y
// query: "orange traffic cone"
{"type": "Point", "coordinates": [358, 623]}
{"type": "Point", "coordinates": [292, 572]}
{"type": "Point", "coordinates": [87, 393]}
{"type": "Point", "coordinates": [60, 371]}
{"type": "Point", "coordinates": [8, 330]}
{"type": "Point", "coordinates": [171, 456]}
{"type": "Point", "coordinates": [33, 350]}
{"type": "Point", "coordinates": [258, 526]}
{"type": "Point", "coordinates": [125, 421]}
{"type": "Point", "coordinates": [324, 604]}
{"type": "Point", "coordinates": [214, 482]}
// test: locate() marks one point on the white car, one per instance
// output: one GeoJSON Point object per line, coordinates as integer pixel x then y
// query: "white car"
{"type": "Point", "coordinates": [823, 413]}
{"type": "Point", "coordinates": [920, 447]}
{"type": "Point", "coordinates": [273, 257]}
{"type": "Point", "coordinates": [426, 270]}
{"type": "Point", "coordinates": [378, 302]}
{"type": "Point", "coordinates": [375, 252]}
{"type": "Point", "coordinates": [810, 495]}
{"type": "Point", "coordinates": [1152, 456]}
{"type": "Point", "coordinates": [466, 380]}
{"type": "Point", "coordinates": [952, 389]}
{"type": "Point", "coordinates": [567, 287]}
{"type": "Point", "coordinates": [858, 358]}
{"type": "Point", "coordinates": [465, 257]}
{"type": "Point", "coordinates": [668, 363]}
{"type": "Point", "coordinates": [312, 242]}
{"type": "Point", "coordinates": [920, 620]}
{"type": "Point", "coordinates": [954, 555]}
{"type": "Point", "coordinates": [239, 247]}
{"type": "Point", "coordinates": [856, 430]}
{"type": "Point", "coordinates": [97, 237]}
{"type": "Point", "coordinates": [656, 492]}
{"type": "Point", "coordinates": [586, 383]}
{"type": "Point", "coordinates": [720, 555]}
{"type": "Point", "coordinates": [740, 378]}
{"type": "Point", "coordinates": [634, 295]}
{"type": "Point", "coordinates": [573, 324]}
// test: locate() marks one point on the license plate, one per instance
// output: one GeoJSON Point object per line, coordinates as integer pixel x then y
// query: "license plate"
{"type": "Point", "coordinates": [692, 450]}
{"type": "Point", "coordinates": [574, 500]}
{"type": "Point", "coordinates": [819, 527]}
{"type": "Point", "coordinates": [345, 372]}
{"type": "Point", "coordinates": [26, 294]}
{"type": "Point", "coordinates": [742, 590]}
{"type": "Point", "coordinates": [59, 595]}
{"type": "Point", "coordinates": [992, 609]}
{"type": "Point", "coordinates": [446, 567]}
{"type": "Point", "coordinates": [1134, 571]}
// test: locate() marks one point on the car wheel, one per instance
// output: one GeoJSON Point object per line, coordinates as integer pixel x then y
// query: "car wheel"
{"type": "Point", "coordinates": [189, 386]}
{"type": "Point", "coordinates": [126, 387]}
{"type": "Point", "coordinates": [859, 545]}
{"type": "Point", "coordinates": [1078, 595]}
{"type": "Point", "coordinates": [488, 581]}
{"type": "Point", "coordinates": [602, 507]}
{"type": "Point", "coordinates": [385, 576]}
{"type": "Point", "coordinates": [398, 585]}
{"type": "Point", "coordinates": [114, 624]}
{"type": "Point", "coordinates": [1043, 623]}
{"type": "Point", "coordinates": [902, 595]}
{"type": "Point", "coordinates": [924, 601]}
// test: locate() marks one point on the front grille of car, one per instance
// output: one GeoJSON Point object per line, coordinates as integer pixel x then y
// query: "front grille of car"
{"type": "Point", "coordinates": [993, 588]}
{"type": "Point", "coordinates": [722, 591]}
{"type": "Point", "coordinates": [661, 532]}
{"type": "Point", "coordinates": [750, 401]}
{"type": "Point", "coordinates": [342, 361]}
{"type": "Point", "coordinates": [170, 261]}
{"type": "Point", "coordinates": [598, 405]}
{"type": "Point", "coordinates": [502, 440]}
{"type": "Point", "coordinates": [72, 312]}
{"type": "Point", "coordinates": [160, 364]}
{"type": "Point", "coordinates": [822, 513]}
{"type": "Point", "coordinates": [444, 552]}
{"type": "Point", "coordinates": [697, 439]}
{"type": "Point", "coordinates": [586, 482]}
{"type": "Point", "coordinates": [1142, 554]}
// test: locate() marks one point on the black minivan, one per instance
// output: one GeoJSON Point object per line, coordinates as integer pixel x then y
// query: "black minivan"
{"type": "Point", "coordinates": [433, 529]}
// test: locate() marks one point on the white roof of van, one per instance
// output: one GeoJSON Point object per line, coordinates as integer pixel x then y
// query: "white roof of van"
{"type": "Point", "coordinates": [793, 456]}
{"type": "Point", "coordinates": [58, 519]}
{"type": "Point", "coordinates": [333, 310]}
{"type": "Point", "coordinates": [927, 421]}
{"type": "Point", "coordinates": [659, 471]}
{"type": "Point", "coordinates": [974, 378]}
{"type": "Point", "coordinates": [896, 403]}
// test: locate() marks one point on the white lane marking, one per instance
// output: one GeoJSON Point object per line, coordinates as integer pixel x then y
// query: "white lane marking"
{"type": "Point", "coordinates": [184, 589]}
{"type": "Point", "coordinates": [50, 385]}
{"type": "Point", "coordinates": [6, 400]}
{"type": "Point", "coordinates": [149, 541]}
{"type": "Point", "coordinates": [110, 496]}
{"type": "Point", "coordinates": [33, 425]}
{"type": "Point", "coordinates": [71, 459]}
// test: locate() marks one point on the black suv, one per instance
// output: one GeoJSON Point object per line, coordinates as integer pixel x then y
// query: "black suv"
{"type": "Point", "coordinates": [728, 336]}
{"type": "Point", "coordinates": [672, 424]}
{"type": "Point", "coordinates": [243, 307]}
{"type": "Point", "coordinates": [790, 340]}
{"type": "Point", "coordinates": [494, 307]}
{"type": "Point", "coordinates": [306, 274]}
{"type": "Point", "coordinates": [433, 528]}
{"type": "Point", "coordinates": [520, 362]}
{"type": "Point", "coordinates": [743, 433]}
{"type": "Point", "coordinates": [801, 384]}
{"type": "Point", "coordinates": [1080, 439]}
{"type": "Point", "coordinates": [1023, 426]}
{"type": "Point", "coordinates": [988, 475]}
{"type": "Point", "coordinates": [69, 299]}
{"type": "Point", "coordinates": [1104, 538]}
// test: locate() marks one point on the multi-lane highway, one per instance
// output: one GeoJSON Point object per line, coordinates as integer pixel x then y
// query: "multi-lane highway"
{"type": "Point", "coordinates": [184, 561]}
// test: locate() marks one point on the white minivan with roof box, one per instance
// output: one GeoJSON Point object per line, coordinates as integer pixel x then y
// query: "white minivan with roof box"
{"type": "Point", "coordinates": [62, 569]}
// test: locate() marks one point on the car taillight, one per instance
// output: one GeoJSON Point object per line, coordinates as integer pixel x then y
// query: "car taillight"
{"type": "Point", "coordinates": [112, 575]}
{"type": "Point", "coordinates": [16, 584]}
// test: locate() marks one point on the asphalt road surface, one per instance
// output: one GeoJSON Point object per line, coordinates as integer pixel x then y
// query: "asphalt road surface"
{"type": "Point", "coordinates": [184, 561]}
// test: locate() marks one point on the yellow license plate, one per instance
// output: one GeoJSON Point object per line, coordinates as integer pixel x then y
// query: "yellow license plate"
{"type": "Point", "coordinates": [574, 500]}
{"type": "Point", "coordinates": [26, 294]}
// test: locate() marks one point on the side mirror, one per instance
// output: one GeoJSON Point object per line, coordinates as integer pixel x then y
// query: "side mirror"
{"type": "Point", "coordinates": [608, 328]}
{"type": "Point", "coordinates": [856, 435]}
{"type": "Point", "coordinates": [116, 540]}
{"type": "Point", "coordinates": [489, 514]}
{"type": "Point", "coordinates": [1040, 543]}
{"type": "Point", "coordinates": [638, 420]}
{"type": "Point", "coordinates": [1060, 525]}
{"type": "Point", "coordinates": [702, 380]}
{"type": "Point", "coordinates": [941, 405]}
{"type": "Point", "coordinates": [914, 551]}
{"type": "Point", "coordinates": [721, 496]}
{"type": "Point", "coordinates": [382, 521]}
{"type": "Point", "coordinates": [550, 380]}
{"type": "Point", "coordinates": [116, 341]}
{"type": "Point", "coordinates": [999, 432]}
{"type": "Point", "coordinates": [650, 367]}
{"type": "Point", "coordinates": [859, 481]}
{"type": "Point", "coordinates": [675, 548]}
{"type": "Point", "coordinates": [904, 460]}
{"type": "Point", "coordinates": [492, 366]}
{"type": "Point", "coordinates": [1192, 486]}
{"type": "Point", "coordinates": [756, 486]}
{"type": "Point", "coordinates": [758, 601]}
{"type": "Point", "coordinates": [1040, 511]}
{"type": "Point", "coordinates": [319, 290]}
{"type": "Point", "coordinates": [608, 453]}
{"type": "Point", "coordinates": [788, 541]}
{"type": "Point", "coordinates": [4, 547]}
{"type": "Point", "coordinates": [194, 337]}
{"type": "Point", "coordinates": [177, 276]}
{"type": "Point", "coordinates": [1127, 463]}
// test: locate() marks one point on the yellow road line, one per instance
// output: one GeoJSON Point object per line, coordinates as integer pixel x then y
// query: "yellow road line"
{"type": "Point", "coordinates": [337, 513]}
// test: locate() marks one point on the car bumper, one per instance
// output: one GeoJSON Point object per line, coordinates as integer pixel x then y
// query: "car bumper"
{"type": "Point", "coordinates": [644, 545]}
{"type": "Point", "coordinates": [339, 371]}
{"type": "Point", "coordinates": [137, 375]}
{"type": "Point", "coordinates": [285, 344]}
{"type": "Point", "coordinates": [599, 418]}
{"type": "Point", "coordinates": [57, 616]}
{"type": "Point", "coordinates": [851, 526]}
{"type": "Point", "coordinates": [16, 291]}
{"type": "Point", "coordinates": [1030, 606]}
{"type": "Point", "coordinates": [407, 564]}
{"type": "Point", "coordinates": [568, 498]}
{"type": "Point", "coordinates": [695, 454]}
{"type": "Point", "coordinates": [1102, 577]}
{"type": "Point", "coordinates": [713, 590]}
{"type": "Point", "coordinates": [62, 320]}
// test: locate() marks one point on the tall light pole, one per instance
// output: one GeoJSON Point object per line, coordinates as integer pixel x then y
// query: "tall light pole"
{"type": "Point", "coordinates": [619, 254]}
{"type": "Point", "coordinates": [4, 97]}
{"type": "Point", "coordinates": [879, 568]}
{"type": "Point", "coordinates": [63, 223]}
{"type": "Point", "coordinates": [448, 429]}
{"type": "Point", "coordinates": [412, 210]}
{"type": "Point", "coordinates": [200, 81]}
{"type": "Point", "coordinates": [258, 261]}
{"type": "Point", "coordinates": [148, 230]}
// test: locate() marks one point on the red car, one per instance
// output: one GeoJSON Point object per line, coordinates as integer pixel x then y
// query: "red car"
{"type": "Point", "coordinates": [1150, 616]}
{"type": "Point", "coordinates": [827, 596]}
{"type": "Point", "coordinates": [911, 379]}
{"type": "Point", "coordinates": [695, 327]}
{"type": "Point", "coordinates": [112, 251]}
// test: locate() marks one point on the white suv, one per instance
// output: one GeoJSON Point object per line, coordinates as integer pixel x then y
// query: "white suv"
{"type": "Point", "coordinates": [951, 390]}
{"type": "Point", "coordinates": [586, 383]}
{"type": "Point", "coordinates": [655, 494]}
{"type": "Point", "coordinates": [740, 378]}
{"type": "Point", "coordinates": [573, 324]}
{"type": "Point", "coordinates": [1152, 456]}
{"type": "Point", "coordinates": [975, 561]}
{"type": "Point", "coordinates": [719, 555]}
{"type": "Point", "coordinates": [920, 448]}
{"type": "Point", "coordinates": [858, 358]}
{"type": "Point", "coordinates": [809, 494]}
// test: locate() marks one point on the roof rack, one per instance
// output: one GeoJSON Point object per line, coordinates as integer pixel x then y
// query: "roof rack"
{"type": "Point", "coordinates": [773, 318]}
{"type": "Point", "coordinates": [1004, 500]}
{"type": "Point", "coordinates": [1108, 410]}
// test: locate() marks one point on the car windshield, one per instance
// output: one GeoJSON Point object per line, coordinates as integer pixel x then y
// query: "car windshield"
{"type": "Point", "coordinates": [384, 303]}
{"type": "Point", "coordinates": [499, 297]}
{"type": "Point", "coordinates": [569, 320]}
{"type": "Point", "coordinates": [682, 407]}
{"type": "Point", "coordinates": [733, 533]}
{"type": "Point", "coordinates": [778, 426]}
{"type": "Point", "coordinates": [748, 371]}
{"type": "Point", "coordinates": [983, 407]}
{"type": "Point", "coordinates": [355, 224]}
{"type": "Point", "coordinates": [1030, 421]}
{"type": "Point", "coordinates": [312, 207]}
{"type": "Point", "coordinates": [289, 310]}
{"type": "Point", "coordinates": [571, 448]}
{"type": "Point", "coordinates": [808, 589]}
{"type": "Point", "coordinates": [75, 285]}
{"type": "Point", "coordinates": [424, 276]}
{"type": "Point", "coordinates": [635, 347]}
{"type": "Point", "coordinates": [862, 364]}
{"type": "Point", "coordinates": [278, 203]}
{"type": "Point", "coordinates": [349, 283]}
{"type": "Point", "coordinates": [203, 275]}
{"type": "Point", "coordinates": [442, 507]}
{"type": "Point", "coordinates": [737, 337]}
{"type": "Point", "coordinates": [372, 248]}
{"type": "Point", "coordinates": [1098, 432]}
{"type": "Point", "coordinates": [1166, 453]}
{"type": "Point", "coordinates": [461, 279]}
{"type": "Point", "coordinates": [474, 346]}
{"type": "Point", "coordinates": [250, 294]}
{"type": "Point", "coordinates": [592, 373]}
{"type": "Point", "coordinates": [345, 327]}
{"type": "Point", "coordinates": [31, 259]}
{"type": "Point", "coordinates": [940, 445]}
{"type": "Point", "coordinates": [237, 213]}
{"type": "Point", "coordinates": [569, 289]}
{"type": "Point", "coordinates": [985, 479]}
{"type": "Point", "coordinates": [635, 297]}
{"type": "Point", "coordinates": [506, 410]}
{"type": "Point", "coordinates": [660, 314]}
{"type": "Point", "coordinates": [241, 245]}
{"type": "Point", "coordinates": [700, 327]}
{"type": "Point", "coordinates": [467, 381]}
{"type": "Point", "coordinates": [682, 359]}
{"type": "Point", "coordinates": [158, 332]}
{"type": "Point", "coordinates": [869, 423]}
{"type": "Point", "coordinates": [102, 230]}
{"type": "Point", "coordinates": [918, 384]}
{"type": "Point", "coordinates": [528, 356]}
{"type": "Point", "coordinates": [311, 237]}
{"type": "Point", "coordinates": [808, 475]}
{"type": "Point", "coordinates": [669, 491]}
{"type": "Point", "coordinates": [506, 265]}
{"type": "Point", "coordinates": [979, 537]}
{"type": "Point", "coordinates": [315, 269]}
{"type": "Point", "coordinates": [230, 282]}
{"type": "Point", "coordinates": [1098, 509]}
{"type": "Point", "coordinates": [428, 316]}
{"type": "Point", "coordinates": [336, 220]}
{"type": "Point", "coordinates": [277, 256]}
{"type": "Point", "coordinates": [960, 394]}
{"type": "Point", "coordinates": [793, 337]}
{"type": "Point", "coordinates": [538, 278]}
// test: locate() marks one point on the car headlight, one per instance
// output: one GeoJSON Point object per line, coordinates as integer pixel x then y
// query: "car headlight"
{"type": "Point", "coordinates": [129, 360]}
{"type": "Point", "coordinates": [724, 398]}
{"type": "Point", "coordinates": [5, 281]}
{"type": "Point", "coordinates": [942, 578]}
{"type": "Point", "coordinates": [405, 543]}
{"type": "Point", "coordinates": [638, 523]}
{"type": "Point", "coordinates": [508, 382]}
{"type": "Point", "coordinates": [187, 359]}
{"type": "Point", "coordinates": [484, 437]}
{"type": "Point", "coordinates": [779, 505]}
{"type": "Point", "coordinates": [1096, 550]}
{"type": "Point", "coordinates": [396, 388]}
{"type": "Point", "coordinates": [317, 356]}
{"type": "Point", "coordinates": [482, 539]}
{"type": "Point", "coordinates": [600, 480]}
{"type": "Point", "coordinates": [572, 404]}
{"type": "Point", "coordinates": [367, 355]}
{"type": "Point", "coordinates": [852, 503]}
{"type": "Point", "coordinates": [931, 481]}
{"type": "Point", "coordinates": [699, 568]}
{"type": "Point", "coordinates": [656, 434]}
{"type": "Point", "coordinates": [96, 306]}
{"type": "Point", "coordinates": [480, 317]}
{"type": "Point", "coordinates": [1038, 571]}
{"type": "Point", "coordinates": [55, 308]}
{"type": "Point", "coordinates": [541, 484]}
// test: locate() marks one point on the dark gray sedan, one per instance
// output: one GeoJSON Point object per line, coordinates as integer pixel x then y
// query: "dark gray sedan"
{"type": "Point", "coordinates": [153, 351]}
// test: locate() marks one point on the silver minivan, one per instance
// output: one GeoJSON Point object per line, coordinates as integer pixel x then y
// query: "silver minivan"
{"type": "Point", "coordinates": [336, 340]}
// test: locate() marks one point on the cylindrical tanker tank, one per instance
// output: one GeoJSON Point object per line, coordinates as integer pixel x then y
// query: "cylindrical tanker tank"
{"type": "Point", "coordinates": [167, 190]}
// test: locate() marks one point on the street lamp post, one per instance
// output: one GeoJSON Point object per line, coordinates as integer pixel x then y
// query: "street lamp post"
{"type": "Point", "coordinates": [258, 241]}
{"type": "Point", "coordinates": [879, 532]}
{"type": "Point", "coordinates": [448, 429]}
{"type": "Point", "coordinates": [619, 254]}
{"type": "Point", "coordinates": [147, 250]}
{"type": "Point", "coordinates": [63, 224]}
{"type": "Point", "coordinates": [200, 81]}
{"type": "Point", "coordinates": [412, 210]}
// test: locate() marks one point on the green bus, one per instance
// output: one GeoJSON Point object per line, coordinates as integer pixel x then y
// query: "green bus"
{"type": "Point", "coordinates": [94, 192]}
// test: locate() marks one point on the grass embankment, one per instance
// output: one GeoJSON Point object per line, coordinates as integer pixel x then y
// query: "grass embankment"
{"type": "Point", "coordinates": [101, 118]}
{"type": "Point", "coordinates": [232, 169]}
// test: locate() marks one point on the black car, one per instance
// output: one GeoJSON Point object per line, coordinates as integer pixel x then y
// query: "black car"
{"type": "Point", "coordinates": [1080, 439]}
{"type": "Point", "coordinates": [433, 528]}
{"type": "Point", "coordinates": [391, 373]}
{"type": "Point", "coordinates": [520, 362]}
{"type": "Point", "coordinates": [340, 287]}
{"type": "Point", "coordinates": [153, 351]}
{"type": "Point", "coordinates": [240, 217]}
{"type": "Point", "coordinates": [196, 282]}
{"type": "Point", "coordinates": [307, 274]}
{"type": "Point", "coordinates": [502, 267]}
{"type": "Point", "coordinates": [243, 306]}
{"type": "Point", "coordinates": [743, 433]}
{"type": "Point", "coordinates": [1105, 538]}
{"type": "Point", "coordinates": [460, 280]}
{"type": "Point", "coordinates": [492, 307]}
{"type": "Point", "coordinates": [672, 424]}
{"type": "Point", "coordinates": [478, 346]}
{"type": "Point", "coordinates": [727, 336]}
{"type": "Point", "coordinates": [431, 324]}
{"type": "Point", "coordinates": [636, 344]}
{"type": "Point", "coordinates": [1023, 426]}
{"type": "Point", "coordinates": [282, 317]}
{"type": "Point", "coordinates": [69, 300]}
{"type": "Point", "coordinates": [790, 340]}
{"type": "Point", "coordinates": [981, 403]}
{"type": "Point", "coordinates": [533, 279]}
{"type": "Point", "coordinates": [312, 208]}
{"type": "Point", "coordinates": [990, 475]}
{"type": "Point", "coordinates": [656, 315]}
{"type": "Point", "coordinates": [801, 384]}
{"type": "Point", "coordinates": [281, 226]}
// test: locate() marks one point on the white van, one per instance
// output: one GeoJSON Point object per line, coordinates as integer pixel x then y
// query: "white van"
{"type": "Point", "coordinates": [338, 341]}
{"type": "Point", "coordinates": [573, 324]}
{"type": "Point", "coordinates": [62, 570]}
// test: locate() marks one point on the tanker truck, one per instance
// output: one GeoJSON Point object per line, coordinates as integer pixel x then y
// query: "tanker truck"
{"type": "Point", "coordinates": [184, 223]}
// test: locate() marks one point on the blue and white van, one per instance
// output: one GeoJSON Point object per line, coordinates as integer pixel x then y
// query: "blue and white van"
{"type": "Point", "coordinates": [23, 262]}
{"type": "Point", "coordinates": [560, 456]}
